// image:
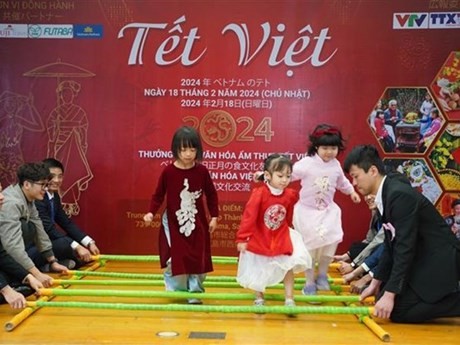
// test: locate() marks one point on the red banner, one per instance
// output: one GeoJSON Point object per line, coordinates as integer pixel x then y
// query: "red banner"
{"type": "Point", "coordinates": [102, 85]}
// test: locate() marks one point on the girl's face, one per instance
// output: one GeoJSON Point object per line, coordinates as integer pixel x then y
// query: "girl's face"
{"type": "Point", "coordinates": [279, 179]}
{"type": "Point", "coordinates": [187, 156]}
{"type": "Point", "coordinates": [457, 210]}
{"type": "Point", "coordinates": [328, 153]}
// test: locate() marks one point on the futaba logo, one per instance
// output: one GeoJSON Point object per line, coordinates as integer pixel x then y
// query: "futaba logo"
{"type": "Point", "coordinates": [410, 20]}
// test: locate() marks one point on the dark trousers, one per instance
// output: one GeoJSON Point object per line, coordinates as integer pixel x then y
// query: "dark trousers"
{"type": "Point", "coordinates": [409, 308]}
{"type": "Point", "coordinates": [356, 248]}
{"type": "Point", "coordinates": [61, 249]}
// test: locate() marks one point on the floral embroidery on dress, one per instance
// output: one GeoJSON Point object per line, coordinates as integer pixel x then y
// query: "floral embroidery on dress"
{"type": "Point", "coordinates": [321, 230]}
{"type": "Point", "coordinates": [322, 183]}
{"type": "Point", "coordinates": [274, 216]}
{"type": "Point", "coordinates": [186, 213]}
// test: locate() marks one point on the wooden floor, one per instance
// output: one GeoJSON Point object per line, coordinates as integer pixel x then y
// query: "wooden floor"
{"type": "Point", "coordinates": [50, 325]}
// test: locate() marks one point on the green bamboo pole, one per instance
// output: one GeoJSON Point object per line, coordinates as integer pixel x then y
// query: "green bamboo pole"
{"type": "Point", "coordinates": [225, 260]}
{"type": "Point", "coordinates": [186, 295]}
{"type": "Point", "coordinates": [156, 258]}
{"type": "Point", "coordinates": [26, 312]}
{"type": "Point", "coordinates": [160, 276]}
{"type": "Point", "coordinates": [209, 308]}
{"type": "Point", "coordinates": [207, 284]}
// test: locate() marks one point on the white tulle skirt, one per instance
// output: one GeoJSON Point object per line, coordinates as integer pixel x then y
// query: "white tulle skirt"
{"type": "Point", "coordinates": [256, 272]}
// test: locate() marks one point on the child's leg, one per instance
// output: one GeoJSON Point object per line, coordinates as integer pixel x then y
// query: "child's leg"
{"type": "Point", "coordinates": [325, 258]}
{"type": "Point", "coordinates": [289, 285]}
{"type": "Point", "coordinates": [195, 282]}
{"type": "Point", "coordinates": [174, 283]}
{"type": "Point", "coordinates": [259, 298]}
{"type": "Point", "coordinates": [310, 286]}
{"type": "Point", "coordinates": [310, 276]}
{"type": "Point", "coordinates": [289, 289]}
{"type": "Point", "coordinates": [177, 282]}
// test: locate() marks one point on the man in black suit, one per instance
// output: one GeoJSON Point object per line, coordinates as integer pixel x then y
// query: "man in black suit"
{"type": "Point", "coordinates": [69, 242]}
{"type": "Point", "coordinates": [418, 274]}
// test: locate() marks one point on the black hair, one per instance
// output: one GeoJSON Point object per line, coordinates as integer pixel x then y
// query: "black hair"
{"type": "Point", "coordinates": [187, 137]}
{"type": "Point", "coordinates": [379, 111]}
{"type": "Point", "coordinates": [455, 203]}
{"type": "Point", "coordinates": [364, 156]}
{"type": "Point", "coordinates": [435, 111]}
{"type": "Point", "coordinates": [325, 135]}
{"type": "Point", "coordinates": [51, 163]}
{"type": "Point", "coordinates": [32, 172]}
{"type": "Point", "coordinates": [276, 162]}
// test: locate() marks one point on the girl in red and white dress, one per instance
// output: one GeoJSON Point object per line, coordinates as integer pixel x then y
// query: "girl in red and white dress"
{"type": "Point", "coordinates": [270, 250]}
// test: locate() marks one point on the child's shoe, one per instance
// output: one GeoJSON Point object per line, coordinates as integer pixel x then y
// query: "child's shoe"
{"type": "Point", "coordinates": [322, 282]}
{"type": "Point", "coordinates": [309, 289]}
{"type": "Point", "coordinates": [289, 302]}
{"type": "Point", "coordinates": [194, 301]}
{"type": "Point", "coordinates": [258, 302]}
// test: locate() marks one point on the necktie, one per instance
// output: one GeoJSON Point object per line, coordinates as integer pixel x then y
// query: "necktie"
{"type": "Point", "coordinates": [52, 209]}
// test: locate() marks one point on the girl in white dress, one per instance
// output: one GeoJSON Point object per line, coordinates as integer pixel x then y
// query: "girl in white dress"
{"type": "Point", "coordinates": [316, 216]}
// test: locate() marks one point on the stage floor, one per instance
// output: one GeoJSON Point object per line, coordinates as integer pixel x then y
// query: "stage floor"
{"type": "Point", "coordinates": [57, 325]}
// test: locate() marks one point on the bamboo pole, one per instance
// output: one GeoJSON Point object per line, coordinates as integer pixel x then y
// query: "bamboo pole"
{"type": "Point", "coordinates": [156, 258]}
{"type": "Point", "coordinates": [207, 284]}
{"type": "Point", "coordinates": [339, 281]}
{"type": "Point", "coordinates": [29, 310]}
{"type": "Point", "coordinates": [373, 326]}
{"type": "Point", "coordinates": [204, 295]}
{"type": "Point", "coordinates": [208, 308]}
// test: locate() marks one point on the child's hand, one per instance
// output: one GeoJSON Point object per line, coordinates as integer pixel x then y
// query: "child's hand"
{"type": "Point", "coordinates": [148, 218]}
{"type": "Point", "coordinates": [213, 225]}
{"type": "Point", "coordinates": [355, 197]}
{"type": "Point", "coordinates": [242, 246]}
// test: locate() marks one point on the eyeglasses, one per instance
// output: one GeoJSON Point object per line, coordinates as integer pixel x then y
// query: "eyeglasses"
{"type": "Point", "coordinates": [44, 185]}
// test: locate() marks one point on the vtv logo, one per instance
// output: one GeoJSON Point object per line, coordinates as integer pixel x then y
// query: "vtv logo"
{"type": "Point", "coordinates": [418, 20]}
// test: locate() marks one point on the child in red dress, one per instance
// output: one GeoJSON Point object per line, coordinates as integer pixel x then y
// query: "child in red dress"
{"type": "Point", "coordinates": [270, 250]}
{"type": "Point", "coordinates": [184, 239]}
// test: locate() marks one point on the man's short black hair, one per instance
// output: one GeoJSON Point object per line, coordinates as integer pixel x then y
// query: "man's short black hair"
{"type": "Point", "coordinates": [364, 156]}
{"type": "Point", "coordinates": [33, 172]}
{"type": "Point", "coordinates": [455, 203]}
{"type": "Point", "coordinates": [51, 163]}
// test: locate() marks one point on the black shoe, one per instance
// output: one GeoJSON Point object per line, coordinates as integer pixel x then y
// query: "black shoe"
{"type": "Point", "coordinates": [24, 290]}
{"type": "Point", "coordinates": [70, 264]}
